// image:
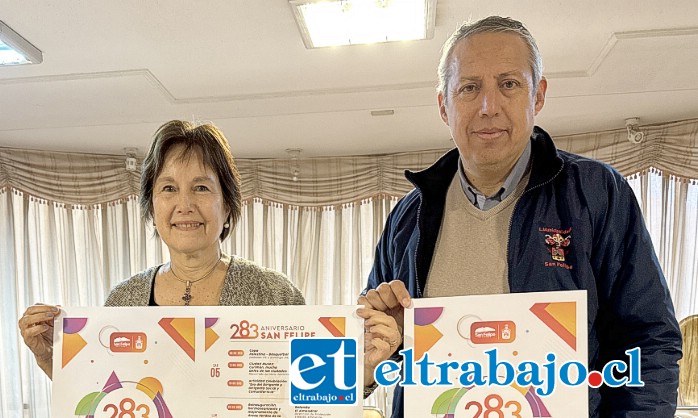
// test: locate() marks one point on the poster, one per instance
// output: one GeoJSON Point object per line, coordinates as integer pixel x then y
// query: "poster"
{"type": "Point", "coordinates": [210, 362]}
{"type": "Point", "coordinates": [497, 356]}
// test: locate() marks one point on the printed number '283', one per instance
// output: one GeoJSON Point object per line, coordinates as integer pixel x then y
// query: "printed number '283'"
{"type": "Point", "coordinates": [244, 330]}
{"type": "Point", "coordinates": [493, 408]}
{"type": "Point", "coordinates": [127, 409]}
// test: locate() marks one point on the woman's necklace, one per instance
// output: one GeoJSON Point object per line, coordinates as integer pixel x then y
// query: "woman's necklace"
{"type": "Point", "coordinates": [187, 291]}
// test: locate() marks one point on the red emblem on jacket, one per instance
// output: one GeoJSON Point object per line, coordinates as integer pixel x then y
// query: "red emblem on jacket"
{"type": "Point", "coordinates": [558, 244]}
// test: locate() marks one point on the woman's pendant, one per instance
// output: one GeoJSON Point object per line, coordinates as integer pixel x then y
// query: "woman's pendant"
{"type": "Point", "coordinates": [187, 294]}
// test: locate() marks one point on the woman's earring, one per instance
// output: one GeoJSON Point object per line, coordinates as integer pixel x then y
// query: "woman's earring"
{"type": "Point", "coordinates": [226, 225]}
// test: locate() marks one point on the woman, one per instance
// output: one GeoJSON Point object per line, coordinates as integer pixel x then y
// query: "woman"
{"type": "Point", "coordinates": [190, 190]}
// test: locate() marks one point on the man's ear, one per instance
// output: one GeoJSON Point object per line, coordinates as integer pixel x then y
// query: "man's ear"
{"type": "Point", "coordinates": [442, 108]}
{"type": "Point", "coordinates": [540, 94]}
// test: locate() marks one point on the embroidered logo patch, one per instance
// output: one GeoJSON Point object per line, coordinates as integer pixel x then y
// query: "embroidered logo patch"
{"type": "Point", "coordinates": [558, 245]}
{"type": "Point", "coordinates": [557, 242]}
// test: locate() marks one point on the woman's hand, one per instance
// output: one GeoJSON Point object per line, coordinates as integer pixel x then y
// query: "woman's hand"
{"type": "Point", "coordinates": [382, 337]}
{"type": "Point", "coordinates": [36, 327]}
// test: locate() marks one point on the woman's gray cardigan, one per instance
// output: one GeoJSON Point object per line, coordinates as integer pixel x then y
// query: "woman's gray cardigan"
{"type": "Point", "coordinates": [246, 284]}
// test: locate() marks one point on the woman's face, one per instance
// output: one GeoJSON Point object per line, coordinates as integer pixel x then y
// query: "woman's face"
{"type": "Point", "coordinates": [189, 210]}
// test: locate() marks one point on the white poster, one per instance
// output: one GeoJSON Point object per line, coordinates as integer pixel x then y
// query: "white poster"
{"type": "Point", "coordinates": [190, 362]}
{"type": "Point", "coordinates": [497, 356]}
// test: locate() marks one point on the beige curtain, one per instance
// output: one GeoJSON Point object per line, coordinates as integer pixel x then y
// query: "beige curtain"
{"type": "Point", "coordinates": [91, 179]}
{"type": "Point", "coordinates": [327, 251]}
{"type": "Point", "coordinates": [70, 228]}
{"type": "Point", "coordinates": [670, 208]}
{"type": "Point", "coordinates": [669, 147]}
{"type": "Point", "coordinates": [60, 254]}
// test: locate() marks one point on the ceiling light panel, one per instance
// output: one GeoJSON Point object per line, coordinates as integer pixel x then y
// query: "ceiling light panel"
{"type": "Point", "coordinates": [325, 23]}
{"type": "Point", "coordinates": [15, 50]}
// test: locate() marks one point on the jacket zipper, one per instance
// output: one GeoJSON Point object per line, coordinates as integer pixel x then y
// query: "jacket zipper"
{"type": "Point", "coordinates": [511, 220]}
{"type": "Point", "coordinates": [419, 238]}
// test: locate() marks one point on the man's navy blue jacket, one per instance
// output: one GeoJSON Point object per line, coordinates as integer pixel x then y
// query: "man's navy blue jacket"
{"type": "Point", "coordinates": [609, 255]}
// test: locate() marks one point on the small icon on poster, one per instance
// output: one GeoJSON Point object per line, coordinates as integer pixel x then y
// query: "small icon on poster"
{"type": "Point", "coordinates": [127, 342]}
{"type": "Point", "coordinates": [492, 332]}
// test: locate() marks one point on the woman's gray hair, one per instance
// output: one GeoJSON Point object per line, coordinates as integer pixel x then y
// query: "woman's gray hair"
{"type": "Point", "coordinates": [492, 24]}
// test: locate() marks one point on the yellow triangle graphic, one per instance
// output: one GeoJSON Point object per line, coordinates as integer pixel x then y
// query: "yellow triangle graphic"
{"type": "Point", "coordinates": [185, 328]}
{"type": "Point", "coordinates": [72, 345]}
{"type": "Point", "coordinates": [425, 336]}
{"type": "Point", "coordinates": [565, 313]}
{"type": "Point", "coordinates": [211, 337]}
{"type": "Point", "coordinates": [339, 323]}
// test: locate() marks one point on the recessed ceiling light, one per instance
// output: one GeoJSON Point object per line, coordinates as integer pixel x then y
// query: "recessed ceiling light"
{"type": "Point", "coordinates": [349, 22]}
{"type": "Point", "coordinates": [15, 50]}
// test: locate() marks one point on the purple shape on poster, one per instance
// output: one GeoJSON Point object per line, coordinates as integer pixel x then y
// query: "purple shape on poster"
{"type": "Point", "coordinates": [537, 406]}
{"type": "Point", "coordinates": [73, 325]}
{"type": "Point", "coordinates": [209, 322]}
{"type": "Point", "coordinates": [163, 411]}
{"type": "Point", "coordinates": [426, 316]}
{"type": "Point", "coordinates": [113, 383]}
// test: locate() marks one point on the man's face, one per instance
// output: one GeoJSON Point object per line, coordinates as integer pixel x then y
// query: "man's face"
{"type": "Point", "coordinates": [491, 101]}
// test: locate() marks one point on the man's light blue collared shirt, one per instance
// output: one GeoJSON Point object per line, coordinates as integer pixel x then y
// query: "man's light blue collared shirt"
{"type": "Point", "coordinates": [483, 202]}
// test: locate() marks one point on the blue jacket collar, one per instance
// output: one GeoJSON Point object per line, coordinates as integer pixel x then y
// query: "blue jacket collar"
{"type": "Point", "coordinates": [435, 179]}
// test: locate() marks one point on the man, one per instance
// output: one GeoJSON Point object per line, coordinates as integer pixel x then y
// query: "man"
{"type": "Point", "coordinates": [507, 212]}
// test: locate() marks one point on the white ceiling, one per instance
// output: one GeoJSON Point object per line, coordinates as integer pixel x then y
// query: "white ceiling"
{"type": "Point", "coordinates": [114, 71]}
